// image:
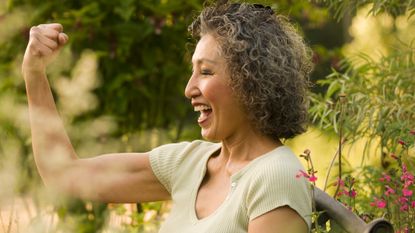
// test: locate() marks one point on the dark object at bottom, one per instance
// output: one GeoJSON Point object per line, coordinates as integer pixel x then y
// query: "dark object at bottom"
{"type": "Point", "coordinates": [346, 219]}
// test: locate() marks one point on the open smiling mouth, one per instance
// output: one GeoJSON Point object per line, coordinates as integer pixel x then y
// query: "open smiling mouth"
{"type": "Point", "coordinates": [204, 110]}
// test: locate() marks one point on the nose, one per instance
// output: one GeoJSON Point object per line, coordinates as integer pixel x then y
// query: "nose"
{"type": "Point", "coordinates": [192, 90]}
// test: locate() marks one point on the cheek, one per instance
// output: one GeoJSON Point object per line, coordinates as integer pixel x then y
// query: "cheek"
{"type": "Point", "coordinates": [219, 94]}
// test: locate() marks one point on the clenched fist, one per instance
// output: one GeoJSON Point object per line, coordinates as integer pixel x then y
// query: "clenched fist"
{"type": "Point", "coordinates": [44, 43]}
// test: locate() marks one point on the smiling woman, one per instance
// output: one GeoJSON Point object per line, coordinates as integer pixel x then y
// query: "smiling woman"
{"type": "Point", "coordinates": [210, 93]}
{"type": "Point", "coordinates": [249, 83]}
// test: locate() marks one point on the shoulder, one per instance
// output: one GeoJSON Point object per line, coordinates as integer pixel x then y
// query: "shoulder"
{"type": "Point", "coordinates": [277, 165]}
{"type": "Point", "coordinates": [273, 183]}
{"type": "Point", "coordinates": [167, 161]}
{"type": "Point", "coordinates": [172, 155]}
{"type": "Point", "coordinates": [184, 148]}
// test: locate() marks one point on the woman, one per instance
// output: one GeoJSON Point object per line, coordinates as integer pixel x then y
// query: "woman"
{"type": "Point", "coordinates": [249, 82]}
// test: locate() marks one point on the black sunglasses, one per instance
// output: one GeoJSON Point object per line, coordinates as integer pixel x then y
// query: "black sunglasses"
{"type": "Point", "coordinates": [256, 6]}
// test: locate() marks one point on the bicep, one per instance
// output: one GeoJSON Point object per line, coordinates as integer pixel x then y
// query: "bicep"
{"type": "Point", "coordinates": [124, 177]}
{"type": "Point", "coordinates": [279, 220]}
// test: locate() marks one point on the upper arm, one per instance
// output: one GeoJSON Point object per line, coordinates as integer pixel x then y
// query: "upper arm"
{"type": "Point", "coordinates": [279, 220]}
{"type": "Point", "coordinates": [124, 177]}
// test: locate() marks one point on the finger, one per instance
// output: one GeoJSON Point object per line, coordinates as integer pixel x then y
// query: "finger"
{"type": "Point", "coordinates": [62, 38]}
{"type": "Point", "coordinates": [39, 49]}
{"type": "Point", "coordinates": [48, 32]}
{"type": "Point", "coordinates": [50, 43]}
{"type": "Point", "coordinates": [44, 32]}
{"type": "Point", "coordinates": [55, 26]}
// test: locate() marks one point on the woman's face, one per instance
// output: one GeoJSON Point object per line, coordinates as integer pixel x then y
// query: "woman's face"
{"type": "Point", "coordinates": [221, 116]}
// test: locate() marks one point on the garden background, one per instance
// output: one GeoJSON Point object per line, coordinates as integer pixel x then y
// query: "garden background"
{"type": "Point", "coordinates": [119, 87]}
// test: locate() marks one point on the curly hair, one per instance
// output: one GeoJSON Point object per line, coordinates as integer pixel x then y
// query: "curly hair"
{"type": "Point", "coordinates": [268, 61]}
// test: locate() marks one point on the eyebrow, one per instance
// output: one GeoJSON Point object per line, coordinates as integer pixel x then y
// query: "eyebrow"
{"type": "Point", "coordinates": [201, 60]}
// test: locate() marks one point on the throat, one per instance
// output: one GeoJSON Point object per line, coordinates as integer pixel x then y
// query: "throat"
{"type": "Point", "coordinates": [233, 167]}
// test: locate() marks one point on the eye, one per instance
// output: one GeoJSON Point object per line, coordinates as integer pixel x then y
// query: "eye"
{"type": "Point", "coordinates": [206, 72]}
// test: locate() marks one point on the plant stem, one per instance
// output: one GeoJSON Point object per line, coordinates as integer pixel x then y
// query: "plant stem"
{"type": "Point", "coordinates": [330, 167]}
{"type": "Point", "coordinates": [342, 100]}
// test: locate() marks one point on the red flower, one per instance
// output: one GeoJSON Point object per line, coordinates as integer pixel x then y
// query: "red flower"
{"type": "Point", "coordinates": [379, 203]}
{"type": "Point", "coordinates": [352, 193]}
{"type": "Point", "coordinates": [389, 190]}
{"type": "Point", "coordinates": [404, 207]}
{"type": "Point", "coordinates": [302, 173]}
{"type": "Point", "coordinates": [340, 182]}
{"type": "Point", "coordinates": [403, 200]}
{"type": "Point", "coordinates": [401, 142]}
{"type": "Point", "coordinates": [406, 192]}
{"type": "Point", "coordinates": [385, 177]}
{"type": "Point", "coordinates": [312, 178]}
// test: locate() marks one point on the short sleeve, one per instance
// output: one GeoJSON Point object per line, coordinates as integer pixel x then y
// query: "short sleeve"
{"type": "Point", "coordinates": [164, 160]}
{"type": "Point", "coordinates": [275, 186]}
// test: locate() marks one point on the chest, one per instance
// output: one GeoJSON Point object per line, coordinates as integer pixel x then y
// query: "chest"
{"type": "Point", "coordinates": [212, 193]}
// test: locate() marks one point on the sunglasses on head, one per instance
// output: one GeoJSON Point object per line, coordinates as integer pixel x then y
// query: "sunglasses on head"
{"type": "Point", "coordinates": [256, 6]}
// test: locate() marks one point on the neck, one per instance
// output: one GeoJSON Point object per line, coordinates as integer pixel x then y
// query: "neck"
{"type": "Point", "coordinates": [240, 149]}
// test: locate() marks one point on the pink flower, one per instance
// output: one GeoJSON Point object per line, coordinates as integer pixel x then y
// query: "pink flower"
{"type": "Point", "coordinates": [404, 207]}
{"type": "Point", "coordinates": [379, 203]}
{"type": "Point", "coordinates": [340, 182]}
{"type": "Point", "coordinates": [312, 178]}
{"type": "Point", "coordinates": [403, 200]}
{"type": "Point", "coordinates": [389, 190]}
{"type": "Point", "coordinates": [385, 177]}
{"type": "Point", "coordinates": [403, 230]}
{"type": "Point", "coordinates": [412, 132]}
{"type": "Point", "coordinates": [407, 176]}
{"type": "Point", "coordinates": [406, 192]}
{"type": "Point", "coordinates": [413, 204]}
{"type": "Point", "coordinates": [352, 193]}
{"type": "Point", "coordinates": [404, 168]}
{"type": "Point", "coordinates": [301, 173]}
{"type": "Point", "coordinates": [407, 183]}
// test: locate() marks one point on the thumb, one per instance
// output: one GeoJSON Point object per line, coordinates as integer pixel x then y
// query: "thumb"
{"type": "Point", "coordinates": [62, 38]}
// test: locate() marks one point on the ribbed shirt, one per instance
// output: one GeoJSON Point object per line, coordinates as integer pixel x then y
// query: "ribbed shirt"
{"type": "Point", "coordinates": [266, 183]}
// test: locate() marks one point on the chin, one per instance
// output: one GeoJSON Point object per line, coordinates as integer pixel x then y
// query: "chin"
{"type": "Point", "coordinates": [209, 136]}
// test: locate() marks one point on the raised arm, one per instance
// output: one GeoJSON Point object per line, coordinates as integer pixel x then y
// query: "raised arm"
{"type": "Point", "coordinates": [109, 178]}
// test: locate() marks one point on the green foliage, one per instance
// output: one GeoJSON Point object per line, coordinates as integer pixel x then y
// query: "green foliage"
{"type": "Point", "coordinates": [393, 7]}
{"type": "Point", "coordinates": [143, 63]}
{"type": "Point", "coordinates": [80, 216]}
{"type": "Point", "coordinates": [380, 99]}
{"type": "Point", "coordinates": [375, 100]}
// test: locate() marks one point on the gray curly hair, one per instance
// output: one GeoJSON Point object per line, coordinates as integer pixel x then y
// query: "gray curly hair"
{"type": "Point", "coordinates": [268, 61]}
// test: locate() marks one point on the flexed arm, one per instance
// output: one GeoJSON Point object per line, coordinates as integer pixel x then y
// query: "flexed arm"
{"type": "Point", "coordinates": [112, 177]}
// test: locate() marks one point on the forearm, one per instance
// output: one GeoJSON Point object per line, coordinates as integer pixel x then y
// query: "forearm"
{"type": "Point", "coordinates": [51, 145]}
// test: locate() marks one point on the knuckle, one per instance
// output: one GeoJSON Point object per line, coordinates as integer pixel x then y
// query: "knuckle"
{"type": "Point", "coordinates": [33, 29]}
{"type": "Point", "coordinates": [32, 46]}
{"type": "Point", "coordinates": [35, 52]}
{"type": "Point", "coordinates": [55, 34]}
{"type": "Point", "coordinates": [54, 45]}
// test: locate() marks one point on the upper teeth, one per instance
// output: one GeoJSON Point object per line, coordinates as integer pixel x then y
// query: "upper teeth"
{"type": "Point", "coordinates": [201, 108]}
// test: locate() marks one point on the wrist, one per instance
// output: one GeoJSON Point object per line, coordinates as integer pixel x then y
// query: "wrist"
{"type": "Point", "coordinates": [29, 70]}
{"type": "Point", "coordinates": [33, 75]}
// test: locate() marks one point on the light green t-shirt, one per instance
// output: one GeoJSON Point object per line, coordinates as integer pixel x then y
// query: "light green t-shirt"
{"type": "Point", "coordinates": [264, 184]}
